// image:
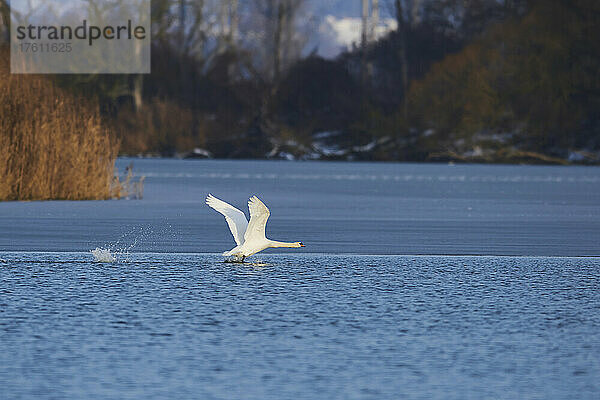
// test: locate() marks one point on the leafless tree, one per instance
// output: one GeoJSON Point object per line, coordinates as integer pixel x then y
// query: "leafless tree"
{"type": "Point", "coordinates": [5, 19]}
{"type": "Point", "coordinates": [374, 22]}
{"type": "Point", "coordinates": [276, 23]}
{"type": "Point", "coordinates": [161, 21]}
{"type": "Point", "coordinates": [413, 11]}
{"type": "Point", "coordinates": [233, 21]}
{"type": "Point", "coordinates": [365, 23]}
{"type": "Point", "coordinates": [228, 24]}
{"type": "Point", "coordinates": [402, 52]}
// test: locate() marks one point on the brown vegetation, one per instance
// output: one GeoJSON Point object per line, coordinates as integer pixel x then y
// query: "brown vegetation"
{"type": "Point", "coordinates": [542, 90]}
{"type": "Point", "coordinates": [52, 145]}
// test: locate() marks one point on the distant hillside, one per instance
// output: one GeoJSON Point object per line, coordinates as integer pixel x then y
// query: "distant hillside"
{"type": "Point", "coordinates": [528, 85]}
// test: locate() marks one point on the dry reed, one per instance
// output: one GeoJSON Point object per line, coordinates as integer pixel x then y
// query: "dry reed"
{"type": "Point", "coordinates": [52, 145]}
{"type": "Point", "coordinates": [128, 188]}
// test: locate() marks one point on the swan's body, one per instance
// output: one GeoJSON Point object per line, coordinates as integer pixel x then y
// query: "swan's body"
{"type": "Point", "coordinates": [249, 236]}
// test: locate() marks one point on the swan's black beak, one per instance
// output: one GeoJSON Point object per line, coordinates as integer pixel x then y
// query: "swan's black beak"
{"type": "Point", "coordinates": [302, 244]}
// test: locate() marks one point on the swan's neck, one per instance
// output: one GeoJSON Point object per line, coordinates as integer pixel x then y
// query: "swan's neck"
{"type": "Point", "coordinates": [274, 243]}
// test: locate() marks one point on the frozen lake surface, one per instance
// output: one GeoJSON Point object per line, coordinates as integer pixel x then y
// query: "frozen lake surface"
{"type": "Point", "coordinates": [357, 208]}
{"type": "Point", "coordinates": [417, 282]}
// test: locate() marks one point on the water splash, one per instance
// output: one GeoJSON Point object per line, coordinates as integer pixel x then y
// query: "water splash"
{"type": "Point", "coordinates": [121, 247]}
{"type": "Point", "coordinates": [148, 237]}
{"type": "Point", "coordinates": [103, 255]}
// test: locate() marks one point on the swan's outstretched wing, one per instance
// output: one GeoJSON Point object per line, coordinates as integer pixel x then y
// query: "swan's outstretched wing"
{"type": "Point", "coordinates": [235, 218]}
{"type": "Point", "coordinates": [259, 214]}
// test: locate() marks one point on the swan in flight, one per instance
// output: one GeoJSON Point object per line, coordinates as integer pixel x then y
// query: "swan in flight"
{"type": "Point", "coordinates": [249, 236]}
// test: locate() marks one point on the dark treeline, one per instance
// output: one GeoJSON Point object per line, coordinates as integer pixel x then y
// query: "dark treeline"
{"type": "Point", "coordinates": [475, 80]}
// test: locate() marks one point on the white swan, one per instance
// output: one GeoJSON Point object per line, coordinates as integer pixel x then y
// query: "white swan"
{"type": "Point", "coordinates": [249, 236]}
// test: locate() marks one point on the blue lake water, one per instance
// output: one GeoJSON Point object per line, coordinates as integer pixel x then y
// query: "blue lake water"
{"type": "Point", "coordinates": [159, 326]}
{"type": "Point", "coordinates": [357, 314]}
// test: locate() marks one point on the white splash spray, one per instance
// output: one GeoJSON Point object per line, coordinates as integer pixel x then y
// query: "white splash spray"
{"type": "Point", "coordinates": [120, 250]}
{"type": "Point", "coordinates": [103, 255]}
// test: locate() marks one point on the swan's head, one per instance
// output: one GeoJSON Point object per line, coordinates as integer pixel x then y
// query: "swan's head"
{"type": "Point", "coordinates": [300, 244]}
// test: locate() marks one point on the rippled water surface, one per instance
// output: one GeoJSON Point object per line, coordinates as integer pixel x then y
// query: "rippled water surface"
{"type": "Point", "coordinates": [302, 326]}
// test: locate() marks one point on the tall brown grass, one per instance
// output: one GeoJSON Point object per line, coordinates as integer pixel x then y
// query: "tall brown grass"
{"type": "Point", "coordinates": [52, 145]}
